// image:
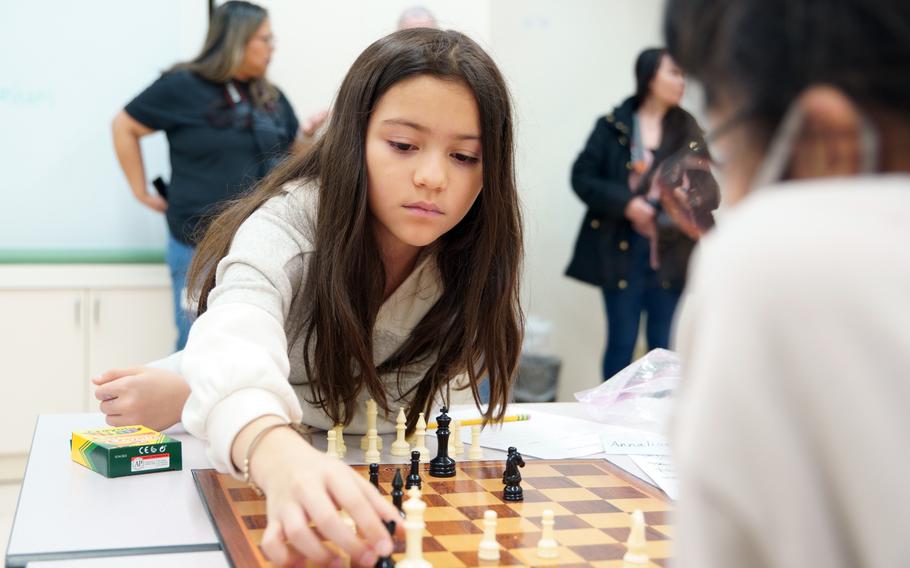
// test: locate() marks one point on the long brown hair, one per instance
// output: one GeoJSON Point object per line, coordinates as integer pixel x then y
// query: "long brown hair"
{"type": "Point", "coordinates": [476, 325]}
{"type": "Point", "coordinates": [233, 25]}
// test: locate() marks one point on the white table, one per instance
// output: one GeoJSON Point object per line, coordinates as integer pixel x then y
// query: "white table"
{"type": "Point", "coordinates": [68, 514]}
{"type": "Point", "coordinates": [68, 511]}
{"type": "Point", "coordinates": [210, 559]}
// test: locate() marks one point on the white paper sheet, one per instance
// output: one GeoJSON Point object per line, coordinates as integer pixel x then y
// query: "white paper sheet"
{"type": "Point", "coordinates": [662, 471]}
{"type": "Point", "coordinates": [545, 436]}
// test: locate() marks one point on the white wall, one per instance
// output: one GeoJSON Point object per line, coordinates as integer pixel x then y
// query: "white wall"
{"type": "Point", "coordinates": [318, 41]}
{"type": "Point", "coordinates": [67, 68]}
{"type": "Point", "coordinates": [567, 63]}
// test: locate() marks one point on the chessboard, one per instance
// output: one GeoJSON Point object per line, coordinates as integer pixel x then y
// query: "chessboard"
{"type": "Point", "coordinates": [591, 500]}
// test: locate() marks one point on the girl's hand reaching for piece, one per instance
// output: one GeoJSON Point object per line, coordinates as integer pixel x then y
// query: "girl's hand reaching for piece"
{"type": "Point", "coordinates": [303, 486]}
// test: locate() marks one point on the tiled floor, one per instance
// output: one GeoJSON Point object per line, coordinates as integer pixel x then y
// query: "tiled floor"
{"type": "Point", "coordinates": [9, 494]}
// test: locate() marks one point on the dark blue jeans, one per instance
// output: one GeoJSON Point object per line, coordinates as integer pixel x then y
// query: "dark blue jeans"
{"type": "Point", "coordinates": [643, 294]}
{"type": "Point", "coordinates": [178, 257]}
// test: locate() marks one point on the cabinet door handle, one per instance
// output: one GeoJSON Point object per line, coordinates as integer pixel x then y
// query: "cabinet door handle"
{"type": "Point", "coordinates": [77, 312]}
{"type": "Point", "coordinates": [96, 310]}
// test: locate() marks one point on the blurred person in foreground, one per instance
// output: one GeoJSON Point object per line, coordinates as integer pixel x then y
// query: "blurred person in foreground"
{"type": "Point", "coordinates": [792, 418]}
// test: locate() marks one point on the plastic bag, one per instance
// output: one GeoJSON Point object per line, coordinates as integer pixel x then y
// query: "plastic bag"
{"type": "Point", "coordinates": [640, 396]}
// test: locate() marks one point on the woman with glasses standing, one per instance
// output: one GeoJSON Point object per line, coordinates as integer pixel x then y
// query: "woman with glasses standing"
{"type": "Point", "coordinates": [226, 126]}
{"type": "Point", "coordinates": [627, 244]}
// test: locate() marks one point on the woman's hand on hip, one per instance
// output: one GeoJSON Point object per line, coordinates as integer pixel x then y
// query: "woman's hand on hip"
{"type": "Point", "coordinates": [153, 202]}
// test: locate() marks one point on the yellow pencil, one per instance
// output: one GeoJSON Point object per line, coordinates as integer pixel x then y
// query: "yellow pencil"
{"type": "Point", "coordinates": [473, 421]}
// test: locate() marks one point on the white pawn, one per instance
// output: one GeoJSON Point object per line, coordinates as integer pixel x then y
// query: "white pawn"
{"type": "Point", "coordinates": [400, 446]}
{"type": "Point", "coordinates": [546, 546]}
{"type": "Point", "coordinates": [348, 522]}
{"type": "Point", "coordinates": [453, 439]}
{"type": "Point", "coordinates": [456, 431]}
{"type": "Point", "coordinates": [414, 509]}
{"type": "Point", "coordinates": [489, 547]}
{"type": "Point", "coordinates": [636, 556]}
{"type": "Point", "coordinates": [372, 411]}
{"type": "Point", "coordinates": [476, 452]}
{"type": "Point", "coordinates": [420, 442]}
{"type": "Point", "coordinates": [339, 440]}
{"type": "Point", "coordinates": [371, 455]}
{"type": "Point", "coordinates": [331, 445]}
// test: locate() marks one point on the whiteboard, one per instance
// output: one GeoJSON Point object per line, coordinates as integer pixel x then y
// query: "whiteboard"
{"type": "Point", "coordinates": [67, 69]}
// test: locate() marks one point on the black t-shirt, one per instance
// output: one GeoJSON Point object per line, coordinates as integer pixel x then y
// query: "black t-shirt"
{"type": "Point", "coordinates": [215, 151]}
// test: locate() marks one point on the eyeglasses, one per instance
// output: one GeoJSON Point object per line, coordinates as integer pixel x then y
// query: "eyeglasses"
{"type": "Point", "coordinates": [268, 39]}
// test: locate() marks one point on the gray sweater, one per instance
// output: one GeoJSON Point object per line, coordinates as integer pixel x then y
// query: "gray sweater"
{"type": "Point", "coordinates": [236, 359]}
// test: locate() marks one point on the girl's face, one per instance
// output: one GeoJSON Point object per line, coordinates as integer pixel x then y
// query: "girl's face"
{"type": "Point", "coordinates": [669, 83]}
{"type": "Point", "coordinates": [423, 159]}
{"type": "Point", "coordinates": [258, 53]}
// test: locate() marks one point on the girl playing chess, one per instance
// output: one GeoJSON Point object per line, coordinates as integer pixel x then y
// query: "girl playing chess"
{"type": "Point", "coordinates": [383, 264]}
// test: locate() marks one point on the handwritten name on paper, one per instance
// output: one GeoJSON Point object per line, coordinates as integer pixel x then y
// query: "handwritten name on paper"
{"type": "Point", "coordinates": [634, 443]}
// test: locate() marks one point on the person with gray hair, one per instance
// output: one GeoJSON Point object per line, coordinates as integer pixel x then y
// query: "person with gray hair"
{"type": "Point", "coordinates": [417, 17]}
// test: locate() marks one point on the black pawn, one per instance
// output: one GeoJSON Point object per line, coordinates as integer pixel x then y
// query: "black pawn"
{"type": "Point", "coordinates": [374, 475]}
{"type": "Point", "coordinates": [413, 479]}
{"type": "Point", "coordinates": [442, 465]}
{"type": "Point", "coordinates": [386, 561]}
{"type": "Point", "coordinates": [397, 493]}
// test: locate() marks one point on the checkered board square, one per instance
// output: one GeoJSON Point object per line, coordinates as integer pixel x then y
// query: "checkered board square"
{"type": "Point", "coordinates": [591, 501]}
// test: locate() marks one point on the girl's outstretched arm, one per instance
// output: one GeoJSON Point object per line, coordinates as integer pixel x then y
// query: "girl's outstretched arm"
{"type": "Point", "coordinates": [302, 486]}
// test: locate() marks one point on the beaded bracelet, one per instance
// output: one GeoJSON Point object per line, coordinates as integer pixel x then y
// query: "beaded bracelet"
{"type": "Point", "coordinates": [249, 453]}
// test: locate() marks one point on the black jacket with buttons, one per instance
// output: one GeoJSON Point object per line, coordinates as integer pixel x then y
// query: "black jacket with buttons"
{"type": "Point", "coordinates": [600, 177]}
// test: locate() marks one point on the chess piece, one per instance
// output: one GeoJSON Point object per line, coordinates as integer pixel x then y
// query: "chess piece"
{"type": "Point", "coordinates": [400, 446]}
{"type": "Point", "coordinates": [476, 452]}
{"type": "Point", "coordinates": [372, 411]}
{"type": "Point", "coordinates": [413, 479]}
{"type": "Point", "coordinates": [420, 443]}
{"type": "Point", "coordinates": [331, 445]}
{"type": "Point", "coordinates": [442, 465]}
{"type": "Point", "coordinates": [546, 546]}
{"type": "Point", "coordinates": [489, 547]}
{"type": "Point", "coordinates": [456, 447]}
{"type": "Point", "coordinates": [372, 453]}
{"type": "Point", "coordinates": [339, 440]}
{"type": "Point", "coordinates": [511, 477]}
{"type": "Point", "coordinates": [456, 434]}
{"type": "Point", "coordinates": [374, 475]}
{"type": "Point", "coordinates": [348, 522]}
{"type": "Point", "coordinates": [397, 493]}
{"type": "Point", "coordinates": [386, 561]}
{"type": "Point", "coordinates": [414, 509]}
{"type": "Point", "coordinates": [636, 556]}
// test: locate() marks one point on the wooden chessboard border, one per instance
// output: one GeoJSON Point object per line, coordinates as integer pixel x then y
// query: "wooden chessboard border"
{"type": "Point", "coordinates": [240, 552]}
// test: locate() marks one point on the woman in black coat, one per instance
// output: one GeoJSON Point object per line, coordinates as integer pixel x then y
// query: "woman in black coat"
{"type": "Point", "coordinates": [628, 245]}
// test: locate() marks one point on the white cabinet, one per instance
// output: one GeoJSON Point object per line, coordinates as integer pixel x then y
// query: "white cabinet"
{"type": "Point", "coordinates": [43, 348]}
{"type": "Point", "coordinates": [127, 327]}
{"type": "Point", "coordinates": [62, 325]}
